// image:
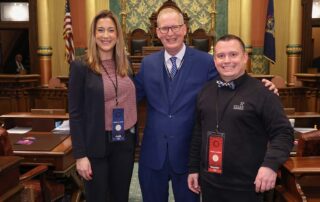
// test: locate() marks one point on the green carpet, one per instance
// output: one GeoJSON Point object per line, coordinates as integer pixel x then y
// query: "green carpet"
{"type": "Point", "coordinates": [135, 192]}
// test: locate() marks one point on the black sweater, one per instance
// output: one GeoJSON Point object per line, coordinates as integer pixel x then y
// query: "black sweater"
{"type": "Point", "coordinates": [257, 132]}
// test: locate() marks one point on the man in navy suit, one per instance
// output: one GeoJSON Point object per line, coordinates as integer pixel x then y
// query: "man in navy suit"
{"type": "Point", "coordinates": [170, 86]}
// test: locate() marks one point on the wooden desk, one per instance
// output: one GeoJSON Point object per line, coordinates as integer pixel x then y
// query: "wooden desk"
{"type": "Point", "coordinates": [18, 80]}
{"type": "Point", "coordinates": [147, 50]}
{"type": "Point", "coordinates": [135, 58]}
{"type": "Point", "coordinates": [309, 80]}
{"type": "Point", "coordinates": [59, 158]}
{"type": "Point", "coordinates": [15, 91]}
{"type": "Point", "coordinates": [305, 119]}
{"type": "Point", "coordinates": [9, 178]}
{"type": "Point", "coordinates": [303, 165]}
{"type": "Point", "coordinates": [38, 122]}
{"type": "Point", "coordinates": [29, 115]}
{"type": "Point", "coordinates": [262, 76]}
{"type": "Point", "coordinates": [300, 180]}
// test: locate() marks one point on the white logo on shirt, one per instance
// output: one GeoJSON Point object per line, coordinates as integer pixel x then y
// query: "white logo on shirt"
{"type": "Point", "coordinates": [239, 107]}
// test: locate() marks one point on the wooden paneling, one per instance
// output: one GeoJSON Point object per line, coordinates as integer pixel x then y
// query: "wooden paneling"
{"type": "Point", "coordinates": [20, 93]}
{"type": "Point", "coordinates": [14, 92]}
{"type": "Point", "coordinates": [46, 98]}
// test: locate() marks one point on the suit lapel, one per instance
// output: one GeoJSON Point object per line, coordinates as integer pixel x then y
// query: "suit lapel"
{"type": "Point", "coordinates": [160, 72]}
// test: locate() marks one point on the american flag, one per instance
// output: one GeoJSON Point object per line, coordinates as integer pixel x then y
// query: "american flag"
{"type": "Point", "coordinates": [68, 35]}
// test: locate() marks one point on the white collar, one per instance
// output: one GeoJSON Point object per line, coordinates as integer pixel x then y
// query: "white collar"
{"type": "Point", "coordinates": [179, 56]}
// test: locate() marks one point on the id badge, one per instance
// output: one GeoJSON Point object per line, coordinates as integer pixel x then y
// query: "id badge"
{"type": "Point", "coordinates": [215, 152]}
{"type": "Point", "coordinates": [118, 133]}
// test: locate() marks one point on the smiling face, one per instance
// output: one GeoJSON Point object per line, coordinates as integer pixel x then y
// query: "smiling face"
{"type": "Point", "coordinates": [230, 59]}
{"type": "Point", "coordinates": [173, 39]}
{"type": "Point", "coordinates": [106, 37]}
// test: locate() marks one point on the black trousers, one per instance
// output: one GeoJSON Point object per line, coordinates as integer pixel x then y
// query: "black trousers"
{"type": "Point", "coordinates": [211, 193]}
{"type": "Point", "coordinates": [112, 174]}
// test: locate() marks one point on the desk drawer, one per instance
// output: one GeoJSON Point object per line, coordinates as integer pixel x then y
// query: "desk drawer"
{"type": "Point", "coordinates": [31, 160]}
{"type": "Point", "coordinates": [59, 163]}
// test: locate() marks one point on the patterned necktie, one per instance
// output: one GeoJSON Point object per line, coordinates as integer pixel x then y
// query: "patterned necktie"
{"type": "Point", "coordinates": [174, 67]}
{"type": "Point", "coordinates": [230, 84]}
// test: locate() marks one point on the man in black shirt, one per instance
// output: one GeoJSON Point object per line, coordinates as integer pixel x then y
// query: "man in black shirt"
{"type": "Point", "coordinates": [241, 135]}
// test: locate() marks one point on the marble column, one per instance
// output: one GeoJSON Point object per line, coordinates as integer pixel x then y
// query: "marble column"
{"type": "Point", "coordinates": [245, 28]}
{"type": "Point", "coordinates": [294, 47]}
{"type": "Point", "coordinates": [44, 50]}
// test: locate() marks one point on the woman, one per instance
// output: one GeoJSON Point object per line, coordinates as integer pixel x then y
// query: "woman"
{"type": "Point", "coordinates": [103, 114]}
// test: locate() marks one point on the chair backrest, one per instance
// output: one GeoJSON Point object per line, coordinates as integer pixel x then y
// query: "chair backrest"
{"type": "Point", "coordinates": [55, 82]}
{"type": "Point", "coordinates": [136, 40]}
{"type": "Point", "coordinates": [136, 46]}
{"type": "Point", "coordinates": [201, 44]}
{"type": "Point", "coordinates": [309, 144]}
{"type": "Point", "coordinates": [5, 145]}
{"type": "Point", "coordinates": [200, 40]}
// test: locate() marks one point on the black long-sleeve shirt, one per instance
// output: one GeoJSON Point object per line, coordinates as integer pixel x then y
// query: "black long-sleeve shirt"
{"type": "Point", "coordinates": [257, 132]}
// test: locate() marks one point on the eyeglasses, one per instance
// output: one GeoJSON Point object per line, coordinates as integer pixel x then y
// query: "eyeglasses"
{"type": "Point", "coordinates": [174, 28]}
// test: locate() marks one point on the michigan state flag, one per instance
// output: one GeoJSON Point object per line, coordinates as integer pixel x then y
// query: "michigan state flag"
{"type": "Point", "coordinates": [269, 39]}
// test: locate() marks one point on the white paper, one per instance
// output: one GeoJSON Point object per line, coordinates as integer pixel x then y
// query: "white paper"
{"type": "Point", "coordinates": [304, 130]}
{"type": "Point", "coordinates": [19, 130]}
{"type": "Point", "coordinates": [63, 127]}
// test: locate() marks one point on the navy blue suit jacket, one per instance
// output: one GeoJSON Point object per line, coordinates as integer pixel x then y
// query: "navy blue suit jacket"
{"type": "Point", "coordinates": [170, 123]}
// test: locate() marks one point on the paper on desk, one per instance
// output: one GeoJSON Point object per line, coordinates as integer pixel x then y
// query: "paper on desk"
{"type": "Point", "coordinates": [63, 127]}
{"type": "Point", "coordinates": [304, 130]}
{"type": "Point", "coordinates": [19, 130]}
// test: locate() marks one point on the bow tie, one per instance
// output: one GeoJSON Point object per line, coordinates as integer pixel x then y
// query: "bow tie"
{"type": "Point", "coordinates": [230, 84]}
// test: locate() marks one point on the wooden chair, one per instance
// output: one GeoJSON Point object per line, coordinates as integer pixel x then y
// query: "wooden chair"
{"type": "Point", "coordinates": [38, 189]}
{"type": "Point", "coordinates": [137, 39]}
{"type": "Point", "coordinates": [153, 20]}
{"type": "Point", "coordinates": [55, 82]}
{"type": "Point", "coordinates": [135, 67]}
{"type": "Point", "coordinates": [300, 179]}
{"type": "Point", "coordinates": [309, 144]}
{"type": "Point", "coordinates": [200, 40]}
{"type": "Point", "coordinates": [279, 82]}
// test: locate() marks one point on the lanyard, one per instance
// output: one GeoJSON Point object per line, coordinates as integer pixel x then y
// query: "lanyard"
{"type": "Point", "coordinates": [115, 85]}
{"type": "Point", "coordinates": [224, 109]}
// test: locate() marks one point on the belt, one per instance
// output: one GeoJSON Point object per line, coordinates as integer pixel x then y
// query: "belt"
{"type": "Point", "coordinates": [130, 130]}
